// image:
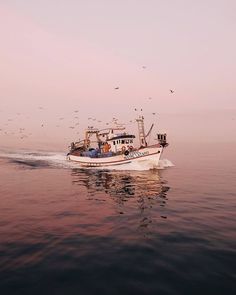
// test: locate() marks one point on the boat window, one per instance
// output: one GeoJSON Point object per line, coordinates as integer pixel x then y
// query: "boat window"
{"type": "Point", "coordinates": [122, 141]}
{"type": "Point", "coordinates": [117, 141]}
{"type": "Point", "coordinates": [114, 142]}
{"type": "Point", "coordinates": [127, 141]}
{"type": "Point", "coordinates": [131, 140]}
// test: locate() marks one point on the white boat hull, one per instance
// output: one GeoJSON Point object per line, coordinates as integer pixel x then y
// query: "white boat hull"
{"type": "Point", "coordinates": [142, 159]}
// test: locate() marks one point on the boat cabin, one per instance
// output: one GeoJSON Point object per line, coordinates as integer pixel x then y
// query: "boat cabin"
{"type": "Point", "coordinates": [121, 142]}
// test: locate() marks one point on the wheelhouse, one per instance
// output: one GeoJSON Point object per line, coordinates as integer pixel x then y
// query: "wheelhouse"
{"type": "Point", "coordinates": [121, 143]}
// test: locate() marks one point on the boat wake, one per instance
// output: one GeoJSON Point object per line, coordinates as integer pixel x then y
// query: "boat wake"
{"type": "Point", "coordinates": [165, 163]}
{"type": "Point", "coordinates": [42, 159]}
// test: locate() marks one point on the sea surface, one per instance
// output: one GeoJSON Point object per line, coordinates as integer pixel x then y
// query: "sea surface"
{"type": "Point", "coordinates": [64, 230]}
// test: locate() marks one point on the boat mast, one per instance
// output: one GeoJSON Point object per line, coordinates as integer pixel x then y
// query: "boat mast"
{"type": "Point", "coordinates": [142, 138]}
{"type": "Point", "coordinates": [86, 140]}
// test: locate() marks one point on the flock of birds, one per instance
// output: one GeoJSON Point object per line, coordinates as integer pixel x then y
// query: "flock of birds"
{"type": "Point", "coordinates": [23, 132]}
{"type": "Point", "coordinates": [171, 91]}
{"type": "Point", "coordinates": [144, 67]}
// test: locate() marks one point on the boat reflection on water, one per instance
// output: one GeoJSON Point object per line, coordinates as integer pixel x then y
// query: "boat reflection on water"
{"type": "Point", "coordinates": [140, 195]}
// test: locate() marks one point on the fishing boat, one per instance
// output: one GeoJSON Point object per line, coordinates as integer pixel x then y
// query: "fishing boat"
{"type": "Point", "coordinates": [114, 148]}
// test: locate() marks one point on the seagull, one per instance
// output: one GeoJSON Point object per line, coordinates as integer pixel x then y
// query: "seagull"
{"type": "Point", "coordinates": [144, 67]}
{"type": "Point", "coordinates": [76, 111]}
{"type": "Point", "coordinates": [116, 88]}
{"type": "Point", "coordinates": [154, 113]}
{"type": "Point", "coordinates": [171, 91]}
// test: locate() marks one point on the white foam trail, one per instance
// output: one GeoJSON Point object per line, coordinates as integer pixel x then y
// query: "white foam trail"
{"type": "Point", "coordinates": [164, 163]}
{"type": "Point", "coordinates": [60, 160]}
{"type": "Point", "coordinates": [50, 157]}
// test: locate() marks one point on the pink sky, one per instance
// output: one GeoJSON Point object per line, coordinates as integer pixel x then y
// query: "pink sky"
{"type": "Point", "coordinates": [69, 55]}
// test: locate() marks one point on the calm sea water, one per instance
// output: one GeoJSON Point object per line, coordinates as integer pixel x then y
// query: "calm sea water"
{"type": "Point", "coordinates": [68, 231]}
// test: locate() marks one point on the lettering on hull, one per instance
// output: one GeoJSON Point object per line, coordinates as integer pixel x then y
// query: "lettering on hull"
{"type": "Point", "coordinates": [136, 154]}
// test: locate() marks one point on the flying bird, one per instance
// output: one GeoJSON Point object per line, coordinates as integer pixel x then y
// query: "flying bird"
{"type": "Point", "coordinates": [171, 91]}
